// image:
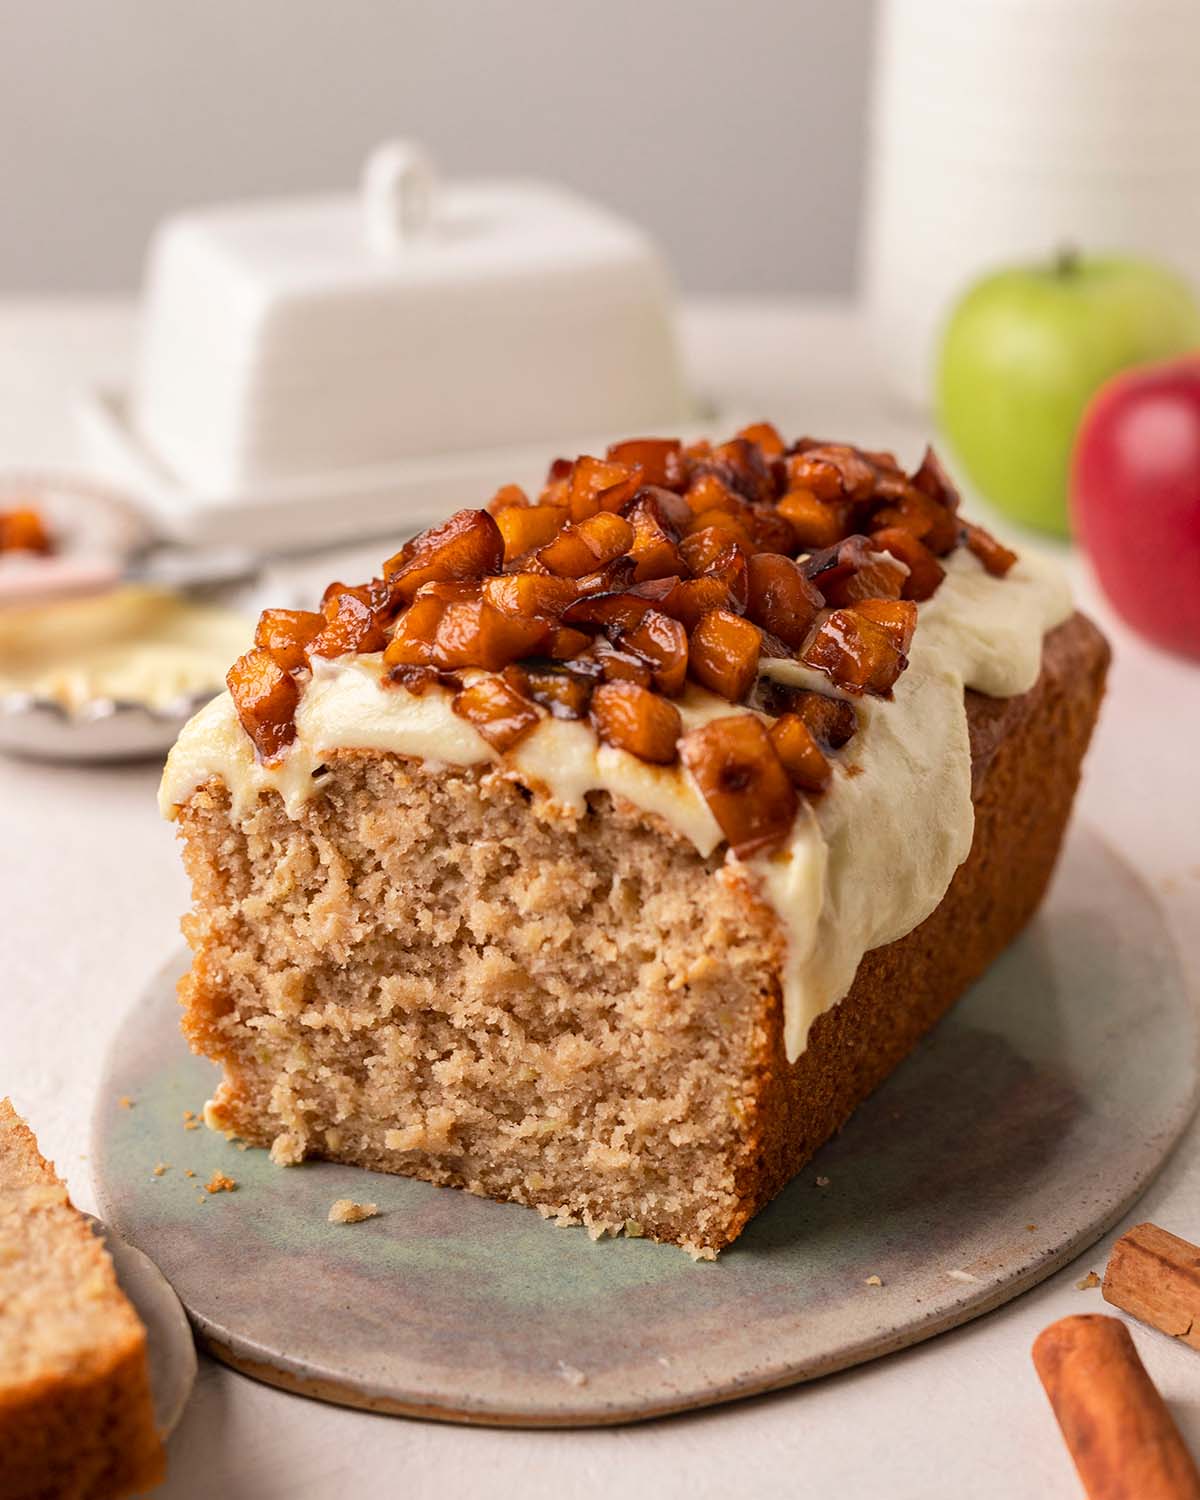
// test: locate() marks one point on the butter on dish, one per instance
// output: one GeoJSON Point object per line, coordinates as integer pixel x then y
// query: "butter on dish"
{"type": "Point", "coordinates": [631, 954]}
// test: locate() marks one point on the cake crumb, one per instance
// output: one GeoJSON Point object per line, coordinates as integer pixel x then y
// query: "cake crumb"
{"type": "Point", "coordinates": [188, 1172]}
{"type": "Point", "coordinates": [961, 1276]}
{"type": "Point", "coordinates": [1031, 1227]}
{"type": "Point", "coordinates": [200, 1198]}
{"type": "Point", "coordinates": [633, 1230]}
{"type": "Point", "coordinates": [219, 1183]}
{"type": "Point", "coordinates": [823, 1182]}
{"type": "Point", "coordinates": [189, 1114]}
{"type": "Point", "coordinates": [570, 1374]}
{"type": "Point", "coordinates": [346, 1211]}
{"type": "Point", "coordinates": [125, 1102]}
{"type": "Point", "coordinates": [163, 1166]}
{"type": "Point", "coordinates": [874, 1281]}
{"type": "Point", "coordinates": [1086, 1283]}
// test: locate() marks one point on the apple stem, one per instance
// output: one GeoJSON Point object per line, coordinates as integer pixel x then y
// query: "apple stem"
{"type": "Point", "coordinates": [1066, 262]}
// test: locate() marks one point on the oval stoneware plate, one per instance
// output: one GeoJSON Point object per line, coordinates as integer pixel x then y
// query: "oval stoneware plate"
{"type": "Point", "coordinates": [1014, 1136]}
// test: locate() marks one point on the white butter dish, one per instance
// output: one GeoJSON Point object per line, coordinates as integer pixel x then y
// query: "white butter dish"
{"type": "Point", "coordinates": [292, 344]}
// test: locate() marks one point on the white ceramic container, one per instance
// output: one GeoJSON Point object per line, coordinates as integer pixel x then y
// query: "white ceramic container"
{"type": "Point", "coordinates": [299, 354]}
{"type": "Point", "coordinates": [1004, 130]}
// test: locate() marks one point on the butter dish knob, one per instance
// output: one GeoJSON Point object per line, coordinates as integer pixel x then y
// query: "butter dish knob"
{"type": "Point", "coordinates": [397, 188]}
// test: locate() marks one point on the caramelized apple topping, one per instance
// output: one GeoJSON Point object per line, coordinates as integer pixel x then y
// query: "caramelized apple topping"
{"type": "Point", "coordinates": [586, 545]}
{"type": "Point", "coordinates": [853, 570]}
{"type": "Point", "coordinates": [994, 555]}
{"type": "Point", "coordinates": [629, 574]}
{"type": "Point", "coordinates": [741, 778]}
{"type": "Point", "coordinates": [635, 719]}
{"type": "Point", "coordinates": [660, 460]}
{"type": "Point", "coordinates": [925, 573]}
{"type": "Point", "coordinates": [597, 484]}
{"type": "Point", "coordinates": [497, 710]}
{"type": "Point", "coordinates": [265, 696]}
{"type": "Point", "coordinates": [351, 624]}
{"type": "Point", "coordinates": [799, 753]}
{"type": "Point", "coordinates": [855, 652]}
{"type": "Point", "coordinates": [285, 633]}
{"type": "Point", "coordinates": [23, 530]}
{"type": "Point", "coordinates": [565, 692]}
{"type": "Point", "coordinates": [724, 654]}
{"type": "Point", "coordinates": [780, 598]}
{"type": "Point", "coordinates": [468, 545]}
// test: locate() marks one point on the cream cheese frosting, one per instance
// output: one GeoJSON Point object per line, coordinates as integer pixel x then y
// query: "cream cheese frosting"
{"type": "Point", "coordinates": [865, 863]}
{"type": "Point", "coordinates": [132, 645]}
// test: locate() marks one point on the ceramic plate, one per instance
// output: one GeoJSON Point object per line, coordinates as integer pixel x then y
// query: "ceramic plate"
{"type": "Point", "coordinates": [1023, 1127]}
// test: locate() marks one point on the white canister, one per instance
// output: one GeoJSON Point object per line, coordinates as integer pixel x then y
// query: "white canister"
{"type": "Point", "coordinates": [1004, 130]}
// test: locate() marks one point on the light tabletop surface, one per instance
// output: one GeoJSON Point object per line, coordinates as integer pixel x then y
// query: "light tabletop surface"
{"type": "Point", "coordinates": [90, 894]}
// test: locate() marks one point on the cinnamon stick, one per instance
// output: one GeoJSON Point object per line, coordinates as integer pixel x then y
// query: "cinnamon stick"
{"type": "Point", "coordinates": [1155, 1277]}
{"type": "Point", "coordinates": [1113, 1420]}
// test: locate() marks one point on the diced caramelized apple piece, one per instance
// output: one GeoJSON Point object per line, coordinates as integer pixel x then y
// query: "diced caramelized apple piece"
{"type": "Point", "coordinates": [723, 654]}
{"type": "Point", "coordinates": [565, 693]}
{"type": "Point", "coordinates": [671, 511]}
{"type": "Point", "coordinates": [653, 547]}
{"type": "Point", "coordinates": [815, 523]}
{"type": "Point", "coordinates": [23, 530]}
{"type": "Point", "coordinates": [633, 718]}
{"type": "Point", "coordinates": [610, 579]}
{"type": "Point", "coordinates": [932, 480]}
{"type": "Point", "coordinates": [507, 496]}
{"type": "Point", "coordinates": [468, 545]}
{"type": "Point", "coordinates": [766, 437]}
{"type": "Point", "coordinates": [660, 460]}
{"type": "Point", "coordinates": [994, 555]}
{"type": "Point", "coordinates": [609, 612]}
{"type": "Point", "coordinates": [265, 696]}
{"type": "Point", "coordinates": [769, 530]}
{"type": "Point", "coordinates": [415, 680]}
{"type": "Point", "coordinates": [780, 598]}
{"type": "Point", "coordinates": [496, 710]}
{"type": "Point", "coordinates": [742, 467]}
{"type": "Point", "coordinates": [622, 666]}
{"type": "Point", "coordinates": [856, 653]}
{"type": "Point", "coordinates": [897, 616]}
{"type": "Point", "coordinates": [693, 597]}
{"type": "Point", "coordinates": [741, 778]}
{"type": "Point", "coordinates": [707, 491]}
{"type": "Point", "coordinates": [832, 721]}
{"type": "Point", "coordinates": [286, 632]}
{"type": "Point", "coordinates": [853, 570]}
{"type": "Point", "coordinates": [926, 519]}
{"type": "Point", "coordinates": [925, 573]}
{"type": "Point", "coordinates": [702, 550]}
{"type": "Point", "coordinates": [832, 471]}
{"type": "Point", "coordinates": [471, 633]}
{"type": "Point", "coordinates": [526, 528]}
{"type": "Point", "coordinates": [598, 485]}
{"type": "Point", "coordinates": [799, 753]}
{"type": "Point", "coordinates": [526, 595]}
{"type": "Point", "coordinates": [351, 625]}
{"type": "Point", "coordinates": [567, 643]}
{"type": "Point", "coordinates": [587, 545]}
{"type": "Point", "coordinates": [662, 643]}
{"type": "Point", "coordinates": [411, 644]}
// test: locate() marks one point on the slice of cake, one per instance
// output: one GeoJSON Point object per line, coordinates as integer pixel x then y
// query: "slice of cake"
{"type": "Point", "coordinates": [76, 1419]}
{"type": "Point", "coordinates": [605, 851]}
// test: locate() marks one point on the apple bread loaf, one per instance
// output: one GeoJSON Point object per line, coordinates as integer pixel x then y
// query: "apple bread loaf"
{"type": "Point", "coordinates": [76, 1419]}
{"type": "Point", "coordinates": [605, 852]}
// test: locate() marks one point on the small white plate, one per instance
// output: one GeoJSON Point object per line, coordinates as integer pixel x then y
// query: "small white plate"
{"type": "Point", "coordinates": [169, 1342]}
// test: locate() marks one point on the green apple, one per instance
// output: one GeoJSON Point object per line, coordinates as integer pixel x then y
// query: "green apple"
{"type": "Point", "coordinates": [1023, 352]}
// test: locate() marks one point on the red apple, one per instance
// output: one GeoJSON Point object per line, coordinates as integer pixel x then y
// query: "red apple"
{"type": "Point", "coordinates": [1135, 498]}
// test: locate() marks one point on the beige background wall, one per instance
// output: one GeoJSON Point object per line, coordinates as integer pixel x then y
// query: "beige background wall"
{"type": "Point", "coordinates": [733, 130]}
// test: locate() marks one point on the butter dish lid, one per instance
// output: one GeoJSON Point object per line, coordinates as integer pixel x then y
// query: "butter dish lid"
{"type": "Point", "coordinates": [285, 341]}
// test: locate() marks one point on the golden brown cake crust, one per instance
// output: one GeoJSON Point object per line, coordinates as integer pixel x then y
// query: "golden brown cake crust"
{"type": "Point", "coordinates": [76, 1417]}
{"type": "Point", "coordinates": [1026, 756]}
{"type": "Point", "coordinates": [628, 1064]}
